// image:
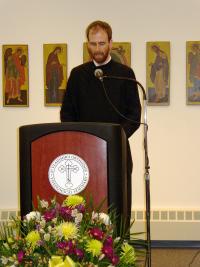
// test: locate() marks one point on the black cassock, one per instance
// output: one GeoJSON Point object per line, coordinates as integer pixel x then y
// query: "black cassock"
{"type": "Point", "coordinates": [85, 101]}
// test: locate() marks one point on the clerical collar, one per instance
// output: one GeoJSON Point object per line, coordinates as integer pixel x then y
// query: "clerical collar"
{"type": "Point", "coordinates": [104, 63]}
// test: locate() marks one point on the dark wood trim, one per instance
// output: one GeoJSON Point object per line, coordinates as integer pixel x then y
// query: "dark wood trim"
{"type": "Point", "coordinates": [175, 244]}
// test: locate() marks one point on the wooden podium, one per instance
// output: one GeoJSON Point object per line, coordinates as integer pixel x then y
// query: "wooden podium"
{"type": "Point", "coordinates": [102, 146]}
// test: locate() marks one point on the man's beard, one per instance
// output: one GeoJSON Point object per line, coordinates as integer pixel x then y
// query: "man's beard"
{"type": "Point", "coordinates": [99, 57]}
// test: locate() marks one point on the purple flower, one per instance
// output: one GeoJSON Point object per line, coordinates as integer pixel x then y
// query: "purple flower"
{"type": "Point", "coordinates": [108, 241]}
{"type": "Point", "coordinates": [38, 227]}
{"type": "Point", "coordinates": [49, 215]}
{"type": "Point", "coordinates": [115, 260]}
{"type": "Point", "coordinates": [20, 256]}
{"type": "Point", "coordinates": [61, 245]}
{"type": "Point", "coordinates": [80, 208]}
{"type": "Point", "coordinates": [66, 213]}
{"type": "Point", "coordinates": [79, 253]}
{"type": "Point", "coordinates": [69, 248]}
{"type": "Point", "coordinates": [96, 233]}
{"type": "Point", "coordinates": [108, 251]}
{"type": "Point", "coordinates": [40, 243]}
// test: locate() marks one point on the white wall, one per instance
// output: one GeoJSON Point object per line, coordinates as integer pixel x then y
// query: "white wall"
{"type": "Point", "coordinates": [174, 130]}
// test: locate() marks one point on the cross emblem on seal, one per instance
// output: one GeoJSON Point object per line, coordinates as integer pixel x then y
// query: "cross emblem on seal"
{"type": "Point", "coordinates": [68, 168]}
{"type": "Point", "coordinates": [68, 174]}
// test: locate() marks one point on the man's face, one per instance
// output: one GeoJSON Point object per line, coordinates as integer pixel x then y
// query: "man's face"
{"type": "Point", "coordinates": [98, 45]}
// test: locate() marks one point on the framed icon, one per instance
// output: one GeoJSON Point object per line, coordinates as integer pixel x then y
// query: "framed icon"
{"type": "Point", "coordinates": [158, 73]}
{"type": "Point", "coordinates": [193, 72]}
{"type": "Point", "coordinates": [15, 75]}
{"type": "Point", "coordinates": [55, 73]}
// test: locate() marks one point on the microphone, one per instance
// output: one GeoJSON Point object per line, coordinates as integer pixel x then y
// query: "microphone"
{"type": "Point", "coordinates": [98, 73]}
{"type": "Point", "coordinates": [128, 79]}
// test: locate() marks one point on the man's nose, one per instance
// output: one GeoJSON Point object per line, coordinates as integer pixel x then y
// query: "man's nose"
{"type": "Point", "coordinates": [97, 47]}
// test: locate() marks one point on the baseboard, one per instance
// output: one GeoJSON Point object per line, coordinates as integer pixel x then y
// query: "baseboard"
{"type": "Point", "coordinates": [175, 225]}
{"type": "Point", "coordinates": [6, 215]}
{"type": "Point", "coordinates": [182, 244]}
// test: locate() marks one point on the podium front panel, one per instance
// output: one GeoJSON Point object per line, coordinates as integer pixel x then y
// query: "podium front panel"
{"type": "Point", "coordinates": [103, 146]}
{"type": "Point", "coordinates": [90, 148]}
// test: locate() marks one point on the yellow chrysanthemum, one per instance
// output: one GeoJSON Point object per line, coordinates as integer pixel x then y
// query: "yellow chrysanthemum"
{"type": "Point", "coordinates": [94, 246]}
{"type": "Point", "coordinates": [56, 261]}
{"type": "Point", "coordinates": [32, 238]}
{"type": "Point", "coordinates": [74, 200]}
{"type": "Point", "coordinates": [68, 230]}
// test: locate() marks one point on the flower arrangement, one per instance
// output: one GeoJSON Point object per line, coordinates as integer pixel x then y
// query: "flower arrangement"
{"type": "Point", "coordinates": [64, 235]}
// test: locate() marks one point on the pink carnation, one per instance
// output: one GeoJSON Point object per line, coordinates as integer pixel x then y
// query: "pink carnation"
{"type": "Point", "coordinates": [20, 256]}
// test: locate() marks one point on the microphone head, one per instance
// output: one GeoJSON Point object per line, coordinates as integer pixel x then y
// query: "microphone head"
{"type": "Point", "coordinates": [98, 73]}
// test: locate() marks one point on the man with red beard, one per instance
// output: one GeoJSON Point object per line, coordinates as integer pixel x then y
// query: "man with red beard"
{"type": "Point", "coordinates": [85, 99]}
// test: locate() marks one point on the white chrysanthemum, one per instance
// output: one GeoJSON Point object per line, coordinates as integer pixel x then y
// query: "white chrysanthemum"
{"type": "Point", "coordinates": [44, 204]}
{"type": "Point", "coordinates": [105, 218]}
{"type": "Point", "coordinates": [4, 260]}
{"type": "Point", "coordinates": [33, 215]}
{"type": "Point", "coordinates": [78, 218]}
{"type": "Point", "coordinates": [117, 239]}
{"type": "Point", "coordinates": [42, 223]}
{"type": "Point", "coordinates": [47, 237]}
{"type": "Point", "coordinates": [101, 216]}
{"type": "Point", "coordinates": [49, 228]}
{"type": "Point", "coordinates": [95, 215]}
{"type": "Point", "coordinates": [102, 257]}
{"type": "Point", "coordinates": [41, 231]}
{"type": "Point", "coordinates": [54, 220]}
{"type": "Point", "coordinates": [77, 215]}
{"type": "Point", "coordinates": [74, 212]}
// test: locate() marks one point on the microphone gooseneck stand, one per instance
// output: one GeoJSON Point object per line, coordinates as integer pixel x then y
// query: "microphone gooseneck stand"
{"type": "Point", "coordinates": [147, 167]}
